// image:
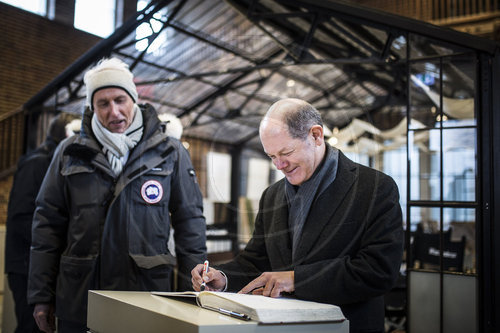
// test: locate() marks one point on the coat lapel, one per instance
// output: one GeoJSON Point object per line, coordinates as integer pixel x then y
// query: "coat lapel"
{"type": "Point", "coordinates": [325, 207]}
{"type": "Point", "coordinates": [279, 232]}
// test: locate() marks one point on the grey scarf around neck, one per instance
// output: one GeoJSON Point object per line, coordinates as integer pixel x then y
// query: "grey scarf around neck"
{"type": "Point", "coordinates": [116, 146]}
{"type": "Point", "coordinates": [300, 198]}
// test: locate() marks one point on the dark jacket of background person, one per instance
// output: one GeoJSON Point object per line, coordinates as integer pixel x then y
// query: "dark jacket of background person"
{"type": "Point", "coordinates": [92, 232]}
{"type": "Point", "coordinates": [28, 178]}
{"type": "Point", "coordinates": [29, 175]}
{"type": "Point", "coordinates": [351, 246]}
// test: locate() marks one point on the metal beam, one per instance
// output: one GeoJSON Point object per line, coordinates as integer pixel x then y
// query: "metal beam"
{"type": "Point", "coordinates": [101, 49]}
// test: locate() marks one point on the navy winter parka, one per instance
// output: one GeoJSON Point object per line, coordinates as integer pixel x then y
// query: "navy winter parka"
{"type": "Point", "coordinates": [93, 230]}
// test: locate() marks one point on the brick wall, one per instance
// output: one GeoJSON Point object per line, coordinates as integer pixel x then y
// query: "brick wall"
{"type": "Point", "coordinates": [33, 51]}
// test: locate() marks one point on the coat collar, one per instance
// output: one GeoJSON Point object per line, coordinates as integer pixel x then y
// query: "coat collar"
{"type": "Point", "coordinates": [326, 206]}
{"type": "Point", "coordinates": [86, 147]}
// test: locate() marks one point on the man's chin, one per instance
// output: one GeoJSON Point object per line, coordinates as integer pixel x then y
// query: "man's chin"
{"type": "Point", "coordinates": [117, 128]}
{"type": "Point", "coordinates": [293, 180]}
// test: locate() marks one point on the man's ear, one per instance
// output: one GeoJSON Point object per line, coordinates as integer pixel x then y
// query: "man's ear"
{"type": "Point", "coordinates": [317, 133]}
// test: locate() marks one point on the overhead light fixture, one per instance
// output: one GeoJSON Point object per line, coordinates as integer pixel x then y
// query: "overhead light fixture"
{"type": "Point", "coordinates": [290, 83]}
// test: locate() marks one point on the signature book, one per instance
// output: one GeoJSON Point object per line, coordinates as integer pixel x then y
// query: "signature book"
{"type": "Point", "coordinates": [263, 309]}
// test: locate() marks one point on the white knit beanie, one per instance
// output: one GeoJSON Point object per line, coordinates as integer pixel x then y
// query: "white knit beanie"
{"type": "Point", "coordinates": [109, 73]}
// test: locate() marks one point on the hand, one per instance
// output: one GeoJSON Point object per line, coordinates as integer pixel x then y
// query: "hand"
{"type": "Point", "coordinates": [214, 280]}
{"type": "Point", "coordinates": [271, 284]}
{"type": "Point", "coordinates": [44, 317]}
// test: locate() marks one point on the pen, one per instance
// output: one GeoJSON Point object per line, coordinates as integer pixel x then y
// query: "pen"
{"type": "Point", "coordinates": [205, 271]}
{"type": "Point", "coordinates": [234, 314]}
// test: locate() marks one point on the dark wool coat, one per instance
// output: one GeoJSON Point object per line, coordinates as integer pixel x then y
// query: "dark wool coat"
{"type": "Point", "coordinates": [92, 231]}
{"type": "Point", "coordinates": [28, 178]}
{"type": "Point", "coordinates": [350, 250]}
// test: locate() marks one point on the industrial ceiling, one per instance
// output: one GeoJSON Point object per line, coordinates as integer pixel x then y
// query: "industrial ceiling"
{"type": "Point", "coordinates": [218, 65]}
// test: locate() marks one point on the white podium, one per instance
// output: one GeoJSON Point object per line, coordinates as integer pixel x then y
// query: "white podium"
{"type": "Point", "coordinates": [128, 311]}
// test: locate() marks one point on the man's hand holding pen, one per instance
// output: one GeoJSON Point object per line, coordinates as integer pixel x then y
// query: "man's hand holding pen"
{"type": "Point", "coordinates": [211, 278]}
{"type": "Point", "coordinates": [272, 284]}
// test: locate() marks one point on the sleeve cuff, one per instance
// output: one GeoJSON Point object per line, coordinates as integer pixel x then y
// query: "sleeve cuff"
{"type": "Point", "coordinates": [225, 277]}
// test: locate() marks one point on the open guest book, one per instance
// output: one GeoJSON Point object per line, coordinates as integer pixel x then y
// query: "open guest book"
{"type": "Point", "coordinates": [263, 309]}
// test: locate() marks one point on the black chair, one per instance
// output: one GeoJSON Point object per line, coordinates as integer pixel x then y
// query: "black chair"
{"type": "Point", "coordinates": [426, 251]}
{"type": "Point", "coordinates": [395, 307]}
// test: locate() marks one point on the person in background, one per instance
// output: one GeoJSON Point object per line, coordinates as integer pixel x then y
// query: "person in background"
{"type": "Point", "coordinates": [29, 174]}
{"type": "Point", "coordinates": [172, 124]}
{"type": "Point", "coordinates": [107, 204]}
{"type": "Point", "coordinates": [330, 231]}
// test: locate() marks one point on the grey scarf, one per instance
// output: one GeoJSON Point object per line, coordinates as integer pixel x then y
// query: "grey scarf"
{"type": "Point", "coordinates": [116, 146]}
{"type": "Point", "coordinates": [300, 198]}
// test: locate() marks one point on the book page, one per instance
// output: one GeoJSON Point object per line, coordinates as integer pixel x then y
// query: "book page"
{"type": "Point", "coordinates": [192, 294]}
{"type": "Point", "coordinates": [263, 309]}
{"type": "Point", "coordinates": [272, 310]}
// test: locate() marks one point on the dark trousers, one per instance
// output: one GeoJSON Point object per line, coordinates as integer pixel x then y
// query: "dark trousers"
{"type": "Point", "coordinates": [18, 284]}
{"type": "Point", "coordinates": [64, 326]}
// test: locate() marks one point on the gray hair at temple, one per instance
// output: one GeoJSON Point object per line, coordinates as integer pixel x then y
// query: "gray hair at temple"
{"type": "Point", "coordinates": [299, 116]}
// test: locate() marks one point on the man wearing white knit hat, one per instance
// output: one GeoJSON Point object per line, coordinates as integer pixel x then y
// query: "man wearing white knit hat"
{"type": "Point", "coordinates": [107, 203]}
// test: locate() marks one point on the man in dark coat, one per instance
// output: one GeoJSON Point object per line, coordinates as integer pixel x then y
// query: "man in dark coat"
{"type": "Point", "coordinates": [330, 231]}
{"type": "Point", "coordinates": [29, 174]}
{"type": "Point", "coordinates": [107, 204]}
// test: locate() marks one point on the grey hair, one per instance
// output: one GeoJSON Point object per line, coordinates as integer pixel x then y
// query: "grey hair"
{"type": "Point", "coordinates": [301, 119]}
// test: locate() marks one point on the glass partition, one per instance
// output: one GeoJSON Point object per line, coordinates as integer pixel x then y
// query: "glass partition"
{"type": "Point", "coordinates": [442, 181]}
{"type": "Point", "coordinates": [425, 164]}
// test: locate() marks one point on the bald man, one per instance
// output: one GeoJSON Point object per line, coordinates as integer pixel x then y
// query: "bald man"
{"type": "Point", "coordinates": [330, 231]}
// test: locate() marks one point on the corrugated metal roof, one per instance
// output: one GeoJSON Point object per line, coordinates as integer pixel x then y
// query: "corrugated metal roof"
{"type": "Point", "coordinates": [218, 65]}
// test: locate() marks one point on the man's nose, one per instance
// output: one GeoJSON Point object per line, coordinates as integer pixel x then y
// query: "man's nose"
{"type": "Point", "coordinates": [114, 108]}
{"type": "Point", "coordinates": [280, 164]}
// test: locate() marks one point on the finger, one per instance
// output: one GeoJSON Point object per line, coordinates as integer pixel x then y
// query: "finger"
{"type": "Point", "coordinates": [43, 325]}
{"type": "Point", "coordinates": [212, 275]}
{"type": "Point", "coordinates": [268, 288]}
{"type": "Point", "coordinates": [195, 284]}
{"type": "Point", "coordinates": [258, 291]}
{"type": "Point", "coordinates": [196, 275]}
{"type": "Point", "coordinates": [196, 271]}
{"type": "Point", "coordinates": [276, 291]}
{"type": "Point", "coordinates": [39, 319]}
{"type": "Point", "coordinates": [208, 288]}
{"type": "Point", "coordinates": [254, 284]}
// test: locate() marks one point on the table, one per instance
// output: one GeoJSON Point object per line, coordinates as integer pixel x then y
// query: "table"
{"type": "Point", "coordinates": [129, 311]}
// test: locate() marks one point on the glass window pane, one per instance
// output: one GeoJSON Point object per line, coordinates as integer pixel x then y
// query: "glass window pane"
{"type": "Point", "coordinates": [425, 239]}
{"type": "Point", "coordinates": [394, 164]}
{"type": "Point", "coordinates": [98, 22]}
{"type": "Point", "coordinates": [423, 47]}
{"type": "Point", "coordinates": [458, 91]}
{"type": "Point", "coordinates": [425, 164]}
{"type": "Point", "coordinates": [424, 94]}
{"type": "Point", "coordinates": [462, 224]}
{"type": "Point", "coordinates": [459, 164]}
{"type": "Point", "coordinates": [424, 302]}
{"type": "Point", "coordinates": [459, 303]}
{"type": "Point", "coordinates": [219, 176]}
{"type": "Point", "coordinates": [155, 46]}
{"type": "Point", "coordinates": [35, 6]}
